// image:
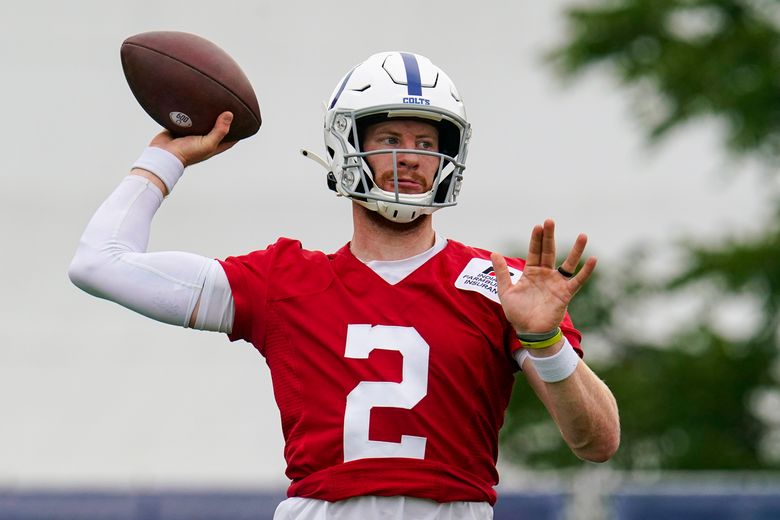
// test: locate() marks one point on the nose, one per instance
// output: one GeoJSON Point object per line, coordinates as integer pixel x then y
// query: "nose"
{"type": "Point", "coordinates": [406, 159]}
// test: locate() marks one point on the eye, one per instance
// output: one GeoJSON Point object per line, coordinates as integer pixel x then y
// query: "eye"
{"type": "Point", "coordinates": [426, 144]}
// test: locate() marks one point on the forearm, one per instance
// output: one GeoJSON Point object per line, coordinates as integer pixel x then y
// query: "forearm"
{"type": "Point", "coordinates": [112, 262]}
{"type": "Point", "coordinates": [154, 179]}
{"type": "Point", "coordinates": [584, 409]}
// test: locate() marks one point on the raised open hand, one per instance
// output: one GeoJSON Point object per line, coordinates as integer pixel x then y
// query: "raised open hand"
{"type": "Point", "coordinates": [538, 301]}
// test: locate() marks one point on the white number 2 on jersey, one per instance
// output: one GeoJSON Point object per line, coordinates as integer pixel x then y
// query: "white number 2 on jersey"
{"type": "Point", "coordinates": [361, 340]}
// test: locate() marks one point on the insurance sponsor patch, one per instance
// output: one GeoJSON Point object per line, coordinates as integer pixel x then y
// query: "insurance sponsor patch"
{"type": "Point", "coordinates": [478, 276]}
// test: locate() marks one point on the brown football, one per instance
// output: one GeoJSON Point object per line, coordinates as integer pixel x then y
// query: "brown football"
{"type": "Point", "coordinates": [184, 81]}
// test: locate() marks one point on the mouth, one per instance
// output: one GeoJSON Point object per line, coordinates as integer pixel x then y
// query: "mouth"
{"type": "Point", "coordinates": [405, 184]}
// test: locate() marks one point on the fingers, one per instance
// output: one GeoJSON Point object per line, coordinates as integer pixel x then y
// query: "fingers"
{"type": "Point", "coordinates": [581, 277]}
{"type": "Point", "coordinates": [575, 254]}
{"type": "Point", "coordinates": [535, 246]}
{"type": "Point", "coordinates": [211, 140]}
{"type": "Point", "coordinates": [503, 278]}
{"type": "Point", "coordinates": [548, 257]}
{"type": "Point", "coordinates": [193, 149]}
{"type": "Point", "coordinates": [541, 249]}
{"type": "Point", "coordinates": [576, 281]}
{"type": "Point", "coordinates": [542, 253]}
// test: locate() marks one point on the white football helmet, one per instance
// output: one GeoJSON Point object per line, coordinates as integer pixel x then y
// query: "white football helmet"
{"type": "Point", "coordinates": [395, 85]}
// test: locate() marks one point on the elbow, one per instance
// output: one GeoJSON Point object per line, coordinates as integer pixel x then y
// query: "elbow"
{"type": "Point", "coordinates": [601, 439]}
{"type": "Point", "coordinates": [599, 454]}
{"type": "Point", "coordinates": [600, 449]}
{"type": "Point", "coordinates": [83, 271]}
{"type": "Point", "coordinates": [79, 272]}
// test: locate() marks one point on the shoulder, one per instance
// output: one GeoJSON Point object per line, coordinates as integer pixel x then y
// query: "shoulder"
{"type": "Point", "coordinates": [284, 250]}
{"type": "Point", "coordinates": [473, 269]}
{"type": "Point", "coordinates": [283, 264]}
{"type": "Point", "coordinates": [463, 254]}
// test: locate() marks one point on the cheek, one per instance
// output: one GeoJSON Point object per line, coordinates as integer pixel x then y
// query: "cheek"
{"type": "Point", "coordinates": [431, 165]}
{"type": "Point", "coordinates": [379, 162]}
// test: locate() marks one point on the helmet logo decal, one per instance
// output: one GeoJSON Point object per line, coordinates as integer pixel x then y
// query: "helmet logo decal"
{"type": "Point", "coordinates": [413, 82]}
{"type": "Point", "coordinates": [341, 89]}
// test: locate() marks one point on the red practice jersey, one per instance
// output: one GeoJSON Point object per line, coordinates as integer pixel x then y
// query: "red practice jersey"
{"type": "Point", "coordinates": [383, 389]}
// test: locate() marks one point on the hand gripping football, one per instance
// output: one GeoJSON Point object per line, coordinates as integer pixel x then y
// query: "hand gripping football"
{"type": "Point", "coordinates": [184, 82]}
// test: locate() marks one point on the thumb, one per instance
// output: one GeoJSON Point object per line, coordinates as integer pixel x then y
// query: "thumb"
{"type": "Point", "coordinates": [502, 272]}
{"type": "Point", "coordinates": [221, 128]}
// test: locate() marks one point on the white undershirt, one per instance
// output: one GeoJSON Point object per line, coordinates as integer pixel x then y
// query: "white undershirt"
{"type": "Point", "coordinates": [393, 271]}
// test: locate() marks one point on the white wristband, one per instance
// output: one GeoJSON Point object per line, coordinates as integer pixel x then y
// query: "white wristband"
{"type": "Point", "coordinates": [162, 163]}
{"type": "Point", "coordinates": [559, 366]}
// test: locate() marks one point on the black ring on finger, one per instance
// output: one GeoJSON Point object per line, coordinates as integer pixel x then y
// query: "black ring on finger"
{"type": "Point", "coordinates": [565, 273]}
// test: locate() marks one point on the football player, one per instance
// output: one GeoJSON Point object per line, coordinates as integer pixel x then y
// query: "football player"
{"type": "Point", "coordinates": [393, 358]}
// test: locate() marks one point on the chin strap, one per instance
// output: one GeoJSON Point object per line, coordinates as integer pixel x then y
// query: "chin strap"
{"type": "Point", "coordinates": [330, 178]}
{"type": "Point", "coordinates": [316, 158]}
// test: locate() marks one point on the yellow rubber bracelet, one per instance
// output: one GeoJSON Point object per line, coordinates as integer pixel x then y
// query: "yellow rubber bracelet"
{"type": "Point", "coordinates": [543, 344]}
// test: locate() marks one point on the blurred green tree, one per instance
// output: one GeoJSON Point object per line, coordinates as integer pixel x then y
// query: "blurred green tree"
{"type": "Point", "coordinates": [699, 396]}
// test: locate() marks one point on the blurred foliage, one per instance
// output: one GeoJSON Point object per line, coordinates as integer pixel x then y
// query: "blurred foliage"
{"type": "Point", "coordinates": [699, 396]}
{"type": "Point", "coordinates": [688, 59]}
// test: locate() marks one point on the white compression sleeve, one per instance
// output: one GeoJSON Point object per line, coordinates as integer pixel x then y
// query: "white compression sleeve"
{"type": "Point", "coordinates": [111, 262]}
{"type": "Point", "coordinates": [215, 311]}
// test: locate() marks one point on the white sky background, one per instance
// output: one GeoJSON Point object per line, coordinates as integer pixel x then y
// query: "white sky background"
{"type": "Point", "coordinates": [93, 394]}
